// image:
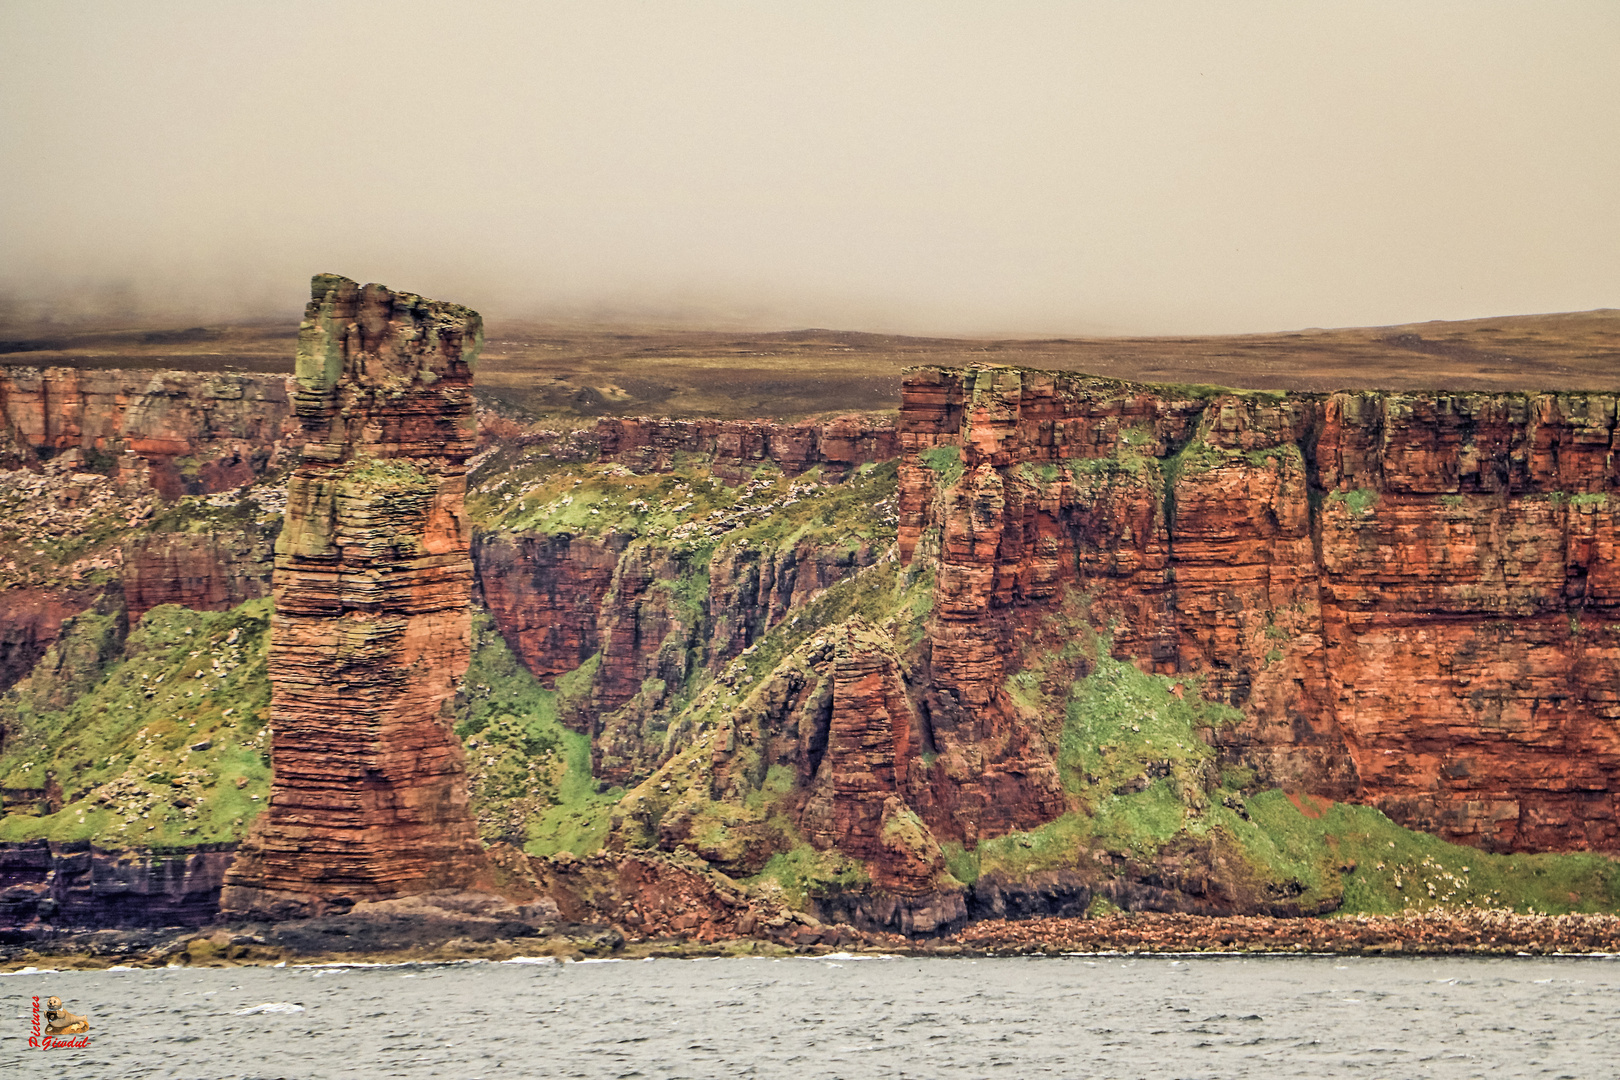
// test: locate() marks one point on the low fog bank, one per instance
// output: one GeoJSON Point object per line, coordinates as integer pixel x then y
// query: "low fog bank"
{"type": "Point", "coordinates": [1027, 168]}
{"type": "Point", "coordinates": [250, 297]}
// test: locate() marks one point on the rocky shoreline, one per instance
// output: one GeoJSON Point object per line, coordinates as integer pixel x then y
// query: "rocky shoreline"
{"type": "Point", "coordinates": [1487, 932]}
{"type": "Point", "coordinates": [417, 934]}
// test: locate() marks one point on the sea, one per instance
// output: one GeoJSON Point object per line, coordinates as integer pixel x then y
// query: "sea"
{"type": "Point", "coordinates": [805, 1018]}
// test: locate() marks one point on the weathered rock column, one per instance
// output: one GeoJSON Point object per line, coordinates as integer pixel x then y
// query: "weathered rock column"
{"type": "Point", "coordinates": [372, 627]}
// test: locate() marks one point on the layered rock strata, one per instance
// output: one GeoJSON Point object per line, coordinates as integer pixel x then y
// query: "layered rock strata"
{"type": "Point", "coordinates": [45, 885]}
{"type": "Point", "coordinates": [838, 445]}
{"type": "Point", "coordinates": [372, 627]}
{"type": "Point", "coordinates": [1413, 598]}
{"type": "Point", "coordinates": [206, 432]}
{"type": "Point", "coordinates": [212, 570]}
{"type": "Point", "coordinates": [199, 433]}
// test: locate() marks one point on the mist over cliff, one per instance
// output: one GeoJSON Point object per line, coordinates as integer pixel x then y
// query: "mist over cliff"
{"type": "Point", "coordinates": [1038, 168]}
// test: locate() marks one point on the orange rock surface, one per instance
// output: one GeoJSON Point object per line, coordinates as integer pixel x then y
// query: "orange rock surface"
{"type": "Point", "coordinates": [226, 425]}
{"type": "Point", "coordinates": [372, 626]}
{"type": "Point", "coordinates": [1413, 598]}
{"type": "Point", "coordinates": [204, 571]}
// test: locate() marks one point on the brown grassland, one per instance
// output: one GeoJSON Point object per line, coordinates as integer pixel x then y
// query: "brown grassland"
{"type": "Point", "coordinates": [564, 373]}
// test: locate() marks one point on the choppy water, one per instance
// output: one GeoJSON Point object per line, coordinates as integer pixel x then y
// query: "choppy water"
{"type": "Point", "coordinates": [1314, 1017]}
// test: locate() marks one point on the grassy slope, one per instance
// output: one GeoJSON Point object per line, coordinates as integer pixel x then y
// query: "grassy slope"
{"type": "Point", "coordinates": [121, 741]}
{"type": "Point", "coordinates": [1144, 782]}
{"type": "Point", "coordinates": [688, 508]}
{"type": "Point", "coordinates": [530, 776]}
{"type": "Point", "coordinates": [751, 813]}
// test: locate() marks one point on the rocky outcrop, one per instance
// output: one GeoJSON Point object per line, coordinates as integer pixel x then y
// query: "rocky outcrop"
{"type": "Point", "coordinates": [560, 601]}
{"type": "Point", "coordinates": [838, 446]}
{"type": "Point", "coordinates": [210, 570]}
{"type": "Point", "coordinates": [31, 623]}
{"type": "Point", "coordinates": [46, 886]}
{"type": "Point", "coordinates": [199, 433]}
{"type": "Point", "coordinates": [872, 744]}
{"type": "Point", "coordinates": [204, 432]}
{"type": "Point", "coordinates": [652, 895]}
{"type": "Point", "coordinates": [546, 594]}
{"type": "Point", "coordinates": [1411, 597]}
{"type": "Point", "coordinates": [417, 922]}
{"type": "Point", "coordinates": [372, 627]}
{"type": "Point", "coordinates": [58, 528]}
{"type": "Point", "coordinates": [735, 448]}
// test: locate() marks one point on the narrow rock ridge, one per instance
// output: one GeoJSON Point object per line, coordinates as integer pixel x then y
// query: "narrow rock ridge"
{"type": "Point", "coordinates": [1414, 598]}
{"type": "Point", "coordinates": [372, 629]}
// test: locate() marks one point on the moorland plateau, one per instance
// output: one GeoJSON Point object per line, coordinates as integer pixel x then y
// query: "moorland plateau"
{"type": "Point", "coordinates": [789, 663]}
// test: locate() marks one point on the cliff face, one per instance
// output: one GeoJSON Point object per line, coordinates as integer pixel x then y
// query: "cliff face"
{"type": "Point", "coordinates": [372, 625]}
{"type": "Point", "coordinates": [651, 579]}
{"type": "Point", "coordinates": [79, 885]}
{"type": "Point", "coordinates": [1065, 649]}
{"type": "Point", "coordinates": [199, 433]}
{"type": "Point", "coordinates": [1411, 598]}
{"type": "Point", "coordinates": [546, 594]}
{"type": "Point", "coordinates": [86, 459]}
{"type": "Point", "coordinates": [211, 570]}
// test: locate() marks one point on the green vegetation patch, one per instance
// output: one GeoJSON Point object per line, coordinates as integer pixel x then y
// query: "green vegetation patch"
{"type": "Point", "coordinates": [947, 464]}
{"type": "Point", "coordinates": [1358, 501]}
{"type": "Point", "coordinates": [687, 510]}
{"type": "Point", "coordinates": [1144, 780]}
{"type": "Point", "coordinates": [214, 513]}
{"type": "Point", "coordinates": [882, 595]}
{"type": "Point", "coordinates": [159, 741]}
{"type": "Point", "coordinates": [530, 776]}
{"type": "Point", "coordinates": [1054, 846]}
{"type": "Point", "coordinates": [375, 474]}
{"type": "Point", "coordinates": [1197, 457]}
{"type": "Point", "coordinates": [1125, 464]}
{"type": "Point", "coordinates": [1383, 868]}
{"type": "Point", "coordinates": [802, 873]}
{"type": "Point", "coordinates": [1124, 729]}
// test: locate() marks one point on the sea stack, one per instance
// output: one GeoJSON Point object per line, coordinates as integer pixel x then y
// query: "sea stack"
{"type": "Point", "coordinates": [372, 624]}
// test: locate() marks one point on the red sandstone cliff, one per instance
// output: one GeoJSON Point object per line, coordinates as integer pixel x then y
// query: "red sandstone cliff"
{"type": "Point", "coordinates": [1412, 597]}
{"type": "Point", "coordinates": [372, 625]}
{"type": "Point", "coordinates": [88, 451]}
{"type": "Point", "coordinates": [199, 433]}
{"type": "Point", "coordinates": [212, 570]}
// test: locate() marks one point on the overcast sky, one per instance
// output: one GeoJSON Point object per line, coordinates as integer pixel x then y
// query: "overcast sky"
{"type": "Point", "coordinates": [997, 167]}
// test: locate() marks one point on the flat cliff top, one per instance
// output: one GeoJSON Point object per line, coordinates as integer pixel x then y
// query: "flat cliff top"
{"type": "Point", "coordinates": [260, 347]}
{"type": "Point", "coordinates": [563, 372]}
